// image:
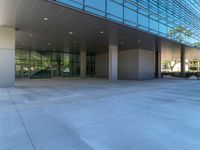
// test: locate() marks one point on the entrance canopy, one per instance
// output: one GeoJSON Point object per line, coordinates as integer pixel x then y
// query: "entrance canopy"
{"type": "Point", "coordinates": [44, 25]}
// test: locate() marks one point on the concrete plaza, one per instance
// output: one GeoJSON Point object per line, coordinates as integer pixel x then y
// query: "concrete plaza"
{"type": "Point", "coordinates": [95, 114]}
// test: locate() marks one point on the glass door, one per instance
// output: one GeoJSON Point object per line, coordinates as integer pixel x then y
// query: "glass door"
{"type": "Point", "coordinates": [66, 66]}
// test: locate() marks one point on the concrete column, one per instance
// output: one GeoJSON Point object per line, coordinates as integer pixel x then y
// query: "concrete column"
{"type": "Point", "coordinates": [182, 61]}
{"type": "Point", "coordinates": [157, 58]}
{"type": "Point", "coordinates": [113, 56]}
{"type": "Point", "coordinates": [83, 60]}
{"type": "Point", "coordinates": [7, 57]}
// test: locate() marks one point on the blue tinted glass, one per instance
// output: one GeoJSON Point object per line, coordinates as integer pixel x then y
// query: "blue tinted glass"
{"type": "Point", "coordinates": [147, 13]}
{"type": "Point", "coordinates": [130, 15]}
{"type": "Point", "coordinates": [162, 28]}
{"type": "Point", "coordinates": [74, 3]}
{"type": "Point", "coordinates": [142, 20]}
{"type": "Point", "coordinates": [153, 24]}
{"type": "Point", "coordinates": [115, 10]}
{"type": "Point", "coordinates": [97, 7]}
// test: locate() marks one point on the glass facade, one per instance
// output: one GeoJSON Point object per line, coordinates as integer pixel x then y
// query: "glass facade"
{"type": "Point", "coordinates": [50, 64]}
{"type": "Point", "coordinates": [170, 58]}
{"type": "Point", "coordinates": [178, 20]}
{"type": "Point", "coordinates": [192, 61]}
{"type": "Point", "coordinates": [90, 68]}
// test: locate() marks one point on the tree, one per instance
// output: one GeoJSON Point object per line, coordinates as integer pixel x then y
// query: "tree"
{"type": "Point", "coordinates": [179, 33]}
{"type": "Point", "coordinates": [197, 44]}
{"type": "Point", "coordinates": [169, 64]}
{"type": "Point", "coordinates": [173, 63]}
{"type": "Point", "coordinates": [165, 65]}
{"type": "Point", "coordinates": [188, 34]}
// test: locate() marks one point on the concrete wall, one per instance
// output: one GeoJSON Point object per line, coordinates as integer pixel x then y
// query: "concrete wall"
{"type": "Point", "coordinates": [136, 64]}
{"type": "Point", "coordinates": [101, 66]}
{"type": "Point", "coordinates": [128, 64]}
{"type": "Point", "coordinates": [146, 68]}
{"type": "Point", "coordinates": [7, 57]}
{"type": "Point", "coordinates": [132, 65]}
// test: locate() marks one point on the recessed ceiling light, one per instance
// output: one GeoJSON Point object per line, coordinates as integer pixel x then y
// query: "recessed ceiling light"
{"type": "Point", "coordinates": [74, 42]}
{"type": "Point", "coordinates": [70, 33]}
{"type": "Point", "coordinates": [49, 43]}
{"type": "Point", "coordinates": [101, 32]}
{"type": "Point", "coordinates": [45, 18]}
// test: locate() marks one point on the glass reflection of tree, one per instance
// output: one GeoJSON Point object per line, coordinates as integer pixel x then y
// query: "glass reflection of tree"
{"type": "Point", "coordinates": [194, 65]}
{"type": "Point", "coordinates": [169, 65]}
{"type": "Point", "coordinates": [197, 44]}
{"type": "Point", "coordinates": [66, 63]}
{"type": "Point", "coordinates": [179, 33]}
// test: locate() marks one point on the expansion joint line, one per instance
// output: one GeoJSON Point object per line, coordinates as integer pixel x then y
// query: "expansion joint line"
{"type": "Point", "coordinates": [17, 110]}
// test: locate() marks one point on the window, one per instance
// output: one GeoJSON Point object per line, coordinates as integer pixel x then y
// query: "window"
{"type": "Point", "coordinates": [96, 7]}
{"type": "Point", "coordinates": [115, 10]}
{"type": "Point", "coordinates": [74, 3]}
{"type": "Point", "coordinates": [130, 16]}
{"type": "Point", "coordinates": [142, 20]}
{"type": "Point", "coordinates": [153, 25]}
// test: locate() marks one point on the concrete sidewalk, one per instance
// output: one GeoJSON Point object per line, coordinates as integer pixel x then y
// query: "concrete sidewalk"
{"type": "Point", "coordinates": [95, 114]}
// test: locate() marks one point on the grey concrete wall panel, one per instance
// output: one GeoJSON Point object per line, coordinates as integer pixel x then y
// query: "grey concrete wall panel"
{"type": "Point", "coordinates": [137, 64]}
{"type": "Point", "coordinates": [128, 65]}
{"type": "Point", "coordinates": [101, 66]}
{"type": "Point", "coordinates": [146, 67]}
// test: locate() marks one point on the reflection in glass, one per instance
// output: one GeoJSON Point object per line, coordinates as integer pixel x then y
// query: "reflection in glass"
{"type": "Point", "coordinates": [157, 17]}
{"type": "Point", "coordinates": [192, 61]}
{"type": "Point", "coordinates": [170, 58]}
{"type": "Point", "coordinates": [46, 64]}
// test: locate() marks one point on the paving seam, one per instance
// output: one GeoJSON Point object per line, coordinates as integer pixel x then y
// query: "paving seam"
{"type": "Point", "coordinates": [21, 119]}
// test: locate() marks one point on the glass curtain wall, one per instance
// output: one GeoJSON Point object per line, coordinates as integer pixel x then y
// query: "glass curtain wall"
{"type": "Point", "coordinates": [74, 65]}
{"type": "Point", "coordinates": [22, 64]}
{"type": "Point", "coordinates": [178, 20]}
{"type": "Point", "coordinates": [35, 64]}
{"type": "Point", "coordinates": [46, 64]}
{"type": "Point", "coordinates": [90, 65]}
{"type": "Point", "coordinates": [170, 58]}
{"type": "Point", "coordinates": [192, 62]}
